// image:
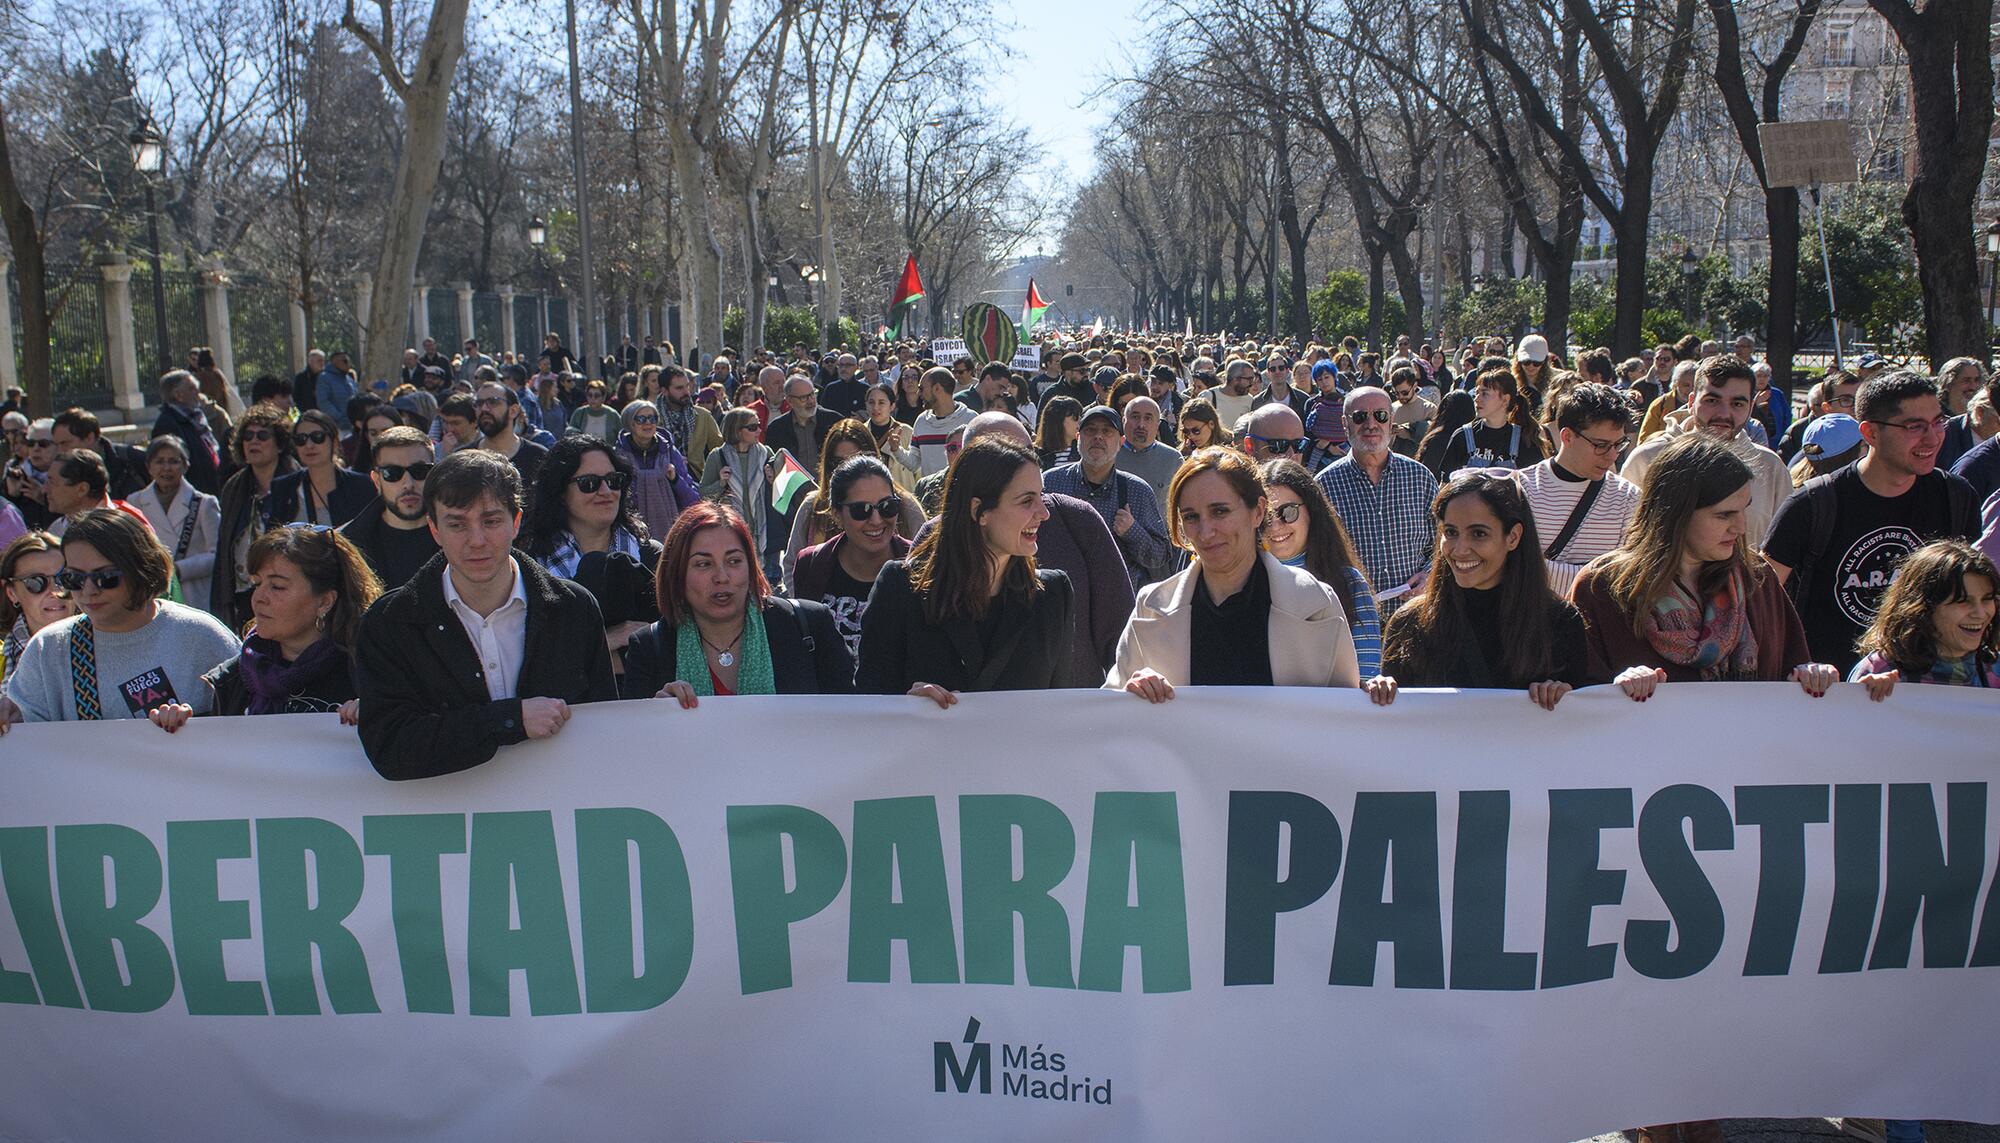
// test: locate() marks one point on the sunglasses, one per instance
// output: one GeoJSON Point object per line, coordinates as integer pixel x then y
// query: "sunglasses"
{"type": "Point", "coordinates": [645, 419]}
{"type": "Point", "coordinates": [1287, 513]}
{"type": "Point", "coordinates": [106, 579]}
{"type": "Point", "coordinates": [302, 526]}
{"type": "Point", "coordinates": [34, 584]}
{"type": "Point", "coordinates": [392, 473]}
{"type": "Point", "coordinates": [315, 437]}
{"type": "Point", "coordinates": [591, 482]}
{"type": "Point", "coordinates": [40, 442]}
{"type": "Point", "coordinates": [258, 435]}
{"type": "Point", "coordinates": [889, 508]}
{"type": "Point", "coordinates": [1361, 416]}
{"type": "Point", "coordinates": [1281, 446]}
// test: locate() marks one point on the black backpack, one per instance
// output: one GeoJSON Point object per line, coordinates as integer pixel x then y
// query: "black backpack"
{"type": "Point", "coordinates": [1819, 500]}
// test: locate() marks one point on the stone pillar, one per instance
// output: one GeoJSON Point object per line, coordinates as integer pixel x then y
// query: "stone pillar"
{"type": "Point", "coordinates": [466, 331]}
{"type": "Point", "coordinates": [215, 310]}
{"type": "Point", "coordinates": [422, 301]}
{"type": "Point", "coordinates": [299, 340]}
{"type": "Point", "coordinates": [121, 354]}
{"type": "Point", "coordinates": [507, 342]}
{"type": "Point", "coordinates": [364, 306]}
{"type": "Point", "coordinates": [9, 375]}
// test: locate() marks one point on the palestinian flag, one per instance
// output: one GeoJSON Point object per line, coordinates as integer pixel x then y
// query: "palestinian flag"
{"type": "Point", "coordinates": [792, 478]}
{"type": "Point", "coordinates": [1031, 312]}
{"type": "Point", "coordinates": [909, 291]}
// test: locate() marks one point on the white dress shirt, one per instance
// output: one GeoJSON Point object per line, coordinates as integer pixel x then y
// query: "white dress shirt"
{"type": "Point", "coordinates": [500, 639]}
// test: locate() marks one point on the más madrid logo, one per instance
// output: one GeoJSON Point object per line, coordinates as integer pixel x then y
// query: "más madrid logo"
{"type": "Point", "coordinates": [1031, 1072]}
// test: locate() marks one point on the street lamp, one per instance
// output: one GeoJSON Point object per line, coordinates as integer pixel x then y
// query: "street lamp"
{"type": "Point", "coordinates": [148, 156]}
{"type": "Point", "coordinates": [538, 237]}
{"type": "Point", "coordinates": [1690, 266]}
{"type": "Point", "coordinates": [1993, 278]}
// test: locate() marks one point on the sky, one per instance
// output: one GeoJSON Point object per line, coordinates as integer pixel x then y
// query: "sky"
{"type": "Point", "coordinates": [1064, 50]}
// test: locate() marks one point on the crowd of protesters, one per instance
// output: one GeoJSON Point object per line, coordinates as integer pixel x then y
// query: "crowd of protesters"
{"type": "Point", "coordinates": [454, 561]}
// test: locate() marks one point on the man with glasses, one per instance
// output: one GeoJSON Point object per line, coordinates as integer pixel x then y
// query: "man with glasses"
{"type": "Point", "coordinates": [804, 429]}
{"type": "Point", "coordinates": [1383, 498]}
{"type": "Point", "coordinates": [846, 393]}
{"type": "Point", "coordinates": [1124, 501]}
{"type": "Point", "coordinates": [1075, 383]}
{"type": "Point", "coordinates": [495, 405]}
{"type": "Point", "coordinates": [1144, 455]}
{"type": "Point", "coordinates": [1582, 507]}
{"type": "Point", "coordinates": [1836, 542]}
{"type": "Point", "coordinates": [27, 479]}
{"type": "Point", "coordinates": [1833, 394]}
{"type": "Point", "coordinates": [1719, 405]}
{"type": "Point", "coordinates": [1273, 432]}
{"type": "Point", "coordinates": [1278, 386]}
{"type": "Point", "coordinates": [390, 532]}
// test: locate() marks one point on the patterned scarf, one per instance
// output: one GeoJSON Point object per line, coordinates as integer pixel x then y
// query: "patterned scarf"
{"type": "Point", "coordinates": [271, 681]}
{"type": "Point", "coordinates": [1713, 635]}
{"type": "Point", "coordinates": [564, 560]}
{"type": "Point", "coordinates": [678, 422]}
{"type": "Point", "coordinates": [199, 419]}
{"type": "Point", "coordinates": [10, 648]}
{"type": "Point", "coordinates": [753, 671]}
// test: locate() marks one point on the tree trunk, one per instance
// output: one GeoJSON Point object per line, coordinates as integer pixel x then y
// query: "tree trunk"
{"type": "Point", "coordinates": [24, 235]}
{"type": "Point", "coordinates": [1630, 281]}
{"type": "Point", "coordinates": [755, 271]}
{"type": "Point", "coordinates": [1409, 284]}
{"type": "Point", "coordinates": [409, 206]}
{"type": "Point", "coordinates": [1781, 220]}
{"type": "Point", "coordinates": [1375, 292]}
{"type": "Point", "coordinates": [700, 250]}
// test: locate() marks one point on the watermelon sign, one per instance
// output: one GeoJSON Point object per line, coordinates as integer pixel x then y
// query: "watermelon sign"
{"type": "Point", "coordinates": [989, 334]}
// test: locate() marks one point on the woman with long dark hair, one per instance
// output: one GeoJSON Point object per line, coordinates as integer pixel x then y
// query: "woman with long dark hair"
{"type": "Point", "coordinates": [910, 402]}
{"type": "Point", "coordinates": [1201, 427]}
{"type": "Point", "coordinates": [1055, 435]}
{"type": "Point", "coordinates": [1505, 434]}
{"type": "Point", "coordinates": [312, 586]}
{"type": "Point", "coordinates": [1235, 616]}
{"type": "Point", "coordinates": [1487, 618]}
{"type": "Point", "coordinates": [263, 448]}
{"type": "Point", "coordinates": [814, 518]}
{"type": "Point", "coordinates": [1455, 411]}
{"type": "Point", "coordinates": [1939, 622]}
{"type": "Point", "coordinates": [582, 527]}
{"type": "Point", "coordinates": [841, 572]}
{"type": "Point", "coordinates": [892, 437]}
{"type": "Point", "coordinates": [1688, 598]}
{"type": "Point", "coordinates": [721, 631]}
{"type": "Point", "coordinates": [1302, 531]}
{"type": "Point", "coordinates": [323, 491]}
{"type": "Point", "coordinates": [969, 610]}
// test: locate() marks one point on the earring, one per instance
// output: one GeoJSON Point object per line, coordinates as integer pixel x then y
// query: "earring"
{"type": "Point", "coordinates": [320, 621]}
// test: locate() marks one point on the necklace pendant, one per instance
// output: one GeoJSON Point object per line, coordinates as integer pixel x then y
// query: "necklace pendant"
{"type": "Point", "coordinates": [726, 659]}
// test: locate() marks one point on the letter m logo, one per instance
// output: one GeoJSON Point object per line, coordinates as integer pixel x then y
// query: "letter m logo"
{"type": "Point", "coordinates": [978, 1063]}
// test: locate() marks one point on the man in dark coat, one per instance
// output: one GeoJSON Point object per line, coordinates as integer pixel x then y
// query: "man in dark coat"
{"type": "Point", "coordinates": [482, 649]}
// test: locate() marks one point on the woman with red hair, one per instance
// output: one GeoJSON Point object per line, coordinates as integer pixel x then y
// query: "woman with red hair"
{"type": "Point", "coordinates": [721, 631]}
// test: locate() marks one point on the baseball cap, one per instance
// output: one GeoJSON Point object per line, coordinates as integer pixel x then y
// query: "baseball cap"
{"type": "Point", "coordinates": [1831, 435]}
{"type": "Point", "coordinates": [1105, 377]}
{"type": "Point", "coordinates": [1074, 361]}
{"type": "Point", "coordinates": [1104, 413]}
{"type": "Point", "coordinates": [1533, 347]}
{"type": "Point", "coordinates": [1871, 361]}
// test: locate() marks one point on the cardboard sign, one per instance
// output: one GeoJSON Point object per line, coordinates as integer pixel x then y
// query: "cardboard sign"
{"type": "Point", "coordinates": [148, 690]}
{"type": "Point", "coordinates": [946, 350]}
{"type": "Point", "coordinates": [1819, 153]}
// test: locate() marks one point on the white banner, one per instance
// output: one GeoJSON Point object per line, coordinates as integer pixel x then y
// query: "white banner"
{"type": "Point", "coordinates": [1027, 358]}
{"type": "Point", "coordinates": [945, 350]}
{"type": "Point", "coordinates": [1245, 914]}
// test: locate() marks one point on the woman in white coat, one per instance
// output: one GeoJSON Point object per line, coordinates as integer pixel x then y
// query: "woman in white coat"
{"type": "Point", "coordinates": [187, 520]}
{"type": "Point", "coordinates": [1236, 616]}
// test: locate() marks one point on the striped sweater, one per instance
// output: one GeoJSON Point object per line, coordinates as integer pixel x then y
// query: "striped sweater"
{"type": "Point", "coordinates": [1552, 498]}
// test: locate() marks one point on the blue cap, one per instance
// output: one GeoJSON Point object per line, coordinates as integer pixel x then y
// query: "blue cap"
{"type": "Point", "coordinates": [1831, 435]}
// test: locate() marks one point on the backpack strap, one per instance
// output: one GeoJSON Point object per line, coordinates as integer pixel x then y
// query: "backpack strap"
{"type": "Point", "coordinates": [83, 671]}
{"type": "Point", "coordinates": [1819, 495]}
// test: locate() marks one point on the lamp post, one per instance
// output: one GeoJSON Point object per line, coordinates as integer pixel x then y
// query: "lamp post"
{"type": "Point", "coordinates": [147, 158]}
{"type": "Point", "coordinates": [1993, 275]}
{"type": "Point", "coordinates": [1690, 266]}
{"type": "Point", "coordinates": [538, 237]}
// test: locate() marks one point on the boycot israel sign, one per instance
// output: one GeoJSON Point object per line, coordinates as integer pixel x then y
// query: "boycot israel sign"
{"type": "Point", "coordinates": [1243, 914]}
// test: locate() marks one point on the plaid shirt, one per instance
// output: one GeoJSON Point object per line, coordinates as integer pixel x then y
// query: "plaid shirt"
{"type": "Point", "coordinates": [1390, 522]}
{"type": "Point", "coordinates": [1148, 553]}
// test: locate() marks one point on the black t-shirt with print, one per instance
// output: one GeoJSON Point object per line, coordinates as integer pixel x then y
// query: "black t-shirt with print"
{"type": "Point", "coordinates": [847, 598]}
{"type": "Point", "coordinates": [1871, 535]}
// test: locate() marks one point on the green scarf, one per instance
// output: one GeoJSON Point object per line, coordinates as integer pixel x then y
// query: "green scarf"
{"type": "Point", "coordinates": [753, 665]}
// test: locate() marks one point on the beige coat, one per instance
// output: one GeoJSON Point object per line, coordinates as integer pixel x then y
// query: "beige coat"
{"type": "Point", "coordinates": [1310, 643]}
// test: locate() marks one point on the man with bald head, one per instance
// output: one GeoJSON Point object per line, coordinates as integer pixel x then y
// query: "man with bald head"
{"type": "Point", "coordinates": [1383, 497]}
{"type": "Point", "coordinates": [1273, 432]}
{"type": "Point", "coordinates": [847, 392]}
{"type": "Point", "coordinates": [1143, 455]}
{"type": "Point", "coordinates": [1074, 540]}
{"type": "Point", "coordinates": [804, 427]}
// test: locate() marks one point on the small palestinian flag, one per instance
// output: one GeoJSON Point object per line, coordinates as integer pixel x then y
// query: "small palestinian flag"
{"type": "Point", "coordinates": [791, 479]}
{"type": "Point", "coordinates": [909, 291]}
{"type": "Point", "coordinates": [1031, 312]}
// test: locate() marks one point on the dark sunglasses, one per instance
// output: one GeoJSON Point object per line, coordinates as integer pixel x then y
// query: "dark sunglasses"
{"type": "Point", "coordinates": [1360, 416]}
{"type": "Point", "coordinates": [258, 435]}
{"type": "Point", "coordinates": [591, 482]}
{"type": "Point", "coordinates": [34, 584]}
{"type": "Point", "coordinates": [395, 472]}
{"type": "Point", "coordinates": [1282, 446]}
{"type": "Point", "coordinates": [645, 419]}
{"type": "Point", "coordinates": [106, 579]}
{"type": "Point", "coordinates": [889, 508]}
{"type": "Point", "coordinates": [315, 437]}
{"type": "Point", "coordinates": [1287, 513]}
{"type": "Point", "coordinates": [39, 442]}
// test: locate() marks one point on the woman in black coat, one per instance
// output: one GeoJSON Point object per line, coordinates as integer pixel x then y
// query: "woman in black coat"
{"type": "Point", "coordinates": [321, 491]}
{"type": "Point", "coordinates": [968, 611]}
{"type": "Point", "coordinates": [721, 631]}
{"type": "Point", "coordinates": [583, 526]}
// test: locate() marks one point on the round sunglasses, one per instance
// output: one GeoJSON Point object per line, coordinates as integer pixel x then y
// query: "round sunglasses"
{"type": "Point", "coordinates": [35, 584]}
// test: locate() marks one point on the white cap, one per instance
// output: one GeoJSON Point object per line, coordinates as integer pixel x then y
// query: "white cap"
{"type": "Point", "coordinates": [1533, 347]}
{"type": "Point", "coordinates": [14, 420]}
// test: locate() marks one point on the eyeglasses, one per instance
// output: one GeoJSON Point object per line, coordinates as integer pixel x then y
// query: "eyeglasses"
{"type": "Point", "coordinates": [1932, 426]}
{"type": "Point", "coordinates": [1845, 401]}
{"type": "Point", "coordinates": [41, 442]}
{"type": "Point", "coordinates": [490, 403]}
{"type": "Point", "coordinates": [394, 473]}
{"type": "Point", "coordinates": [302, 526]}
{"type": "Point", "coordinates": [1280, 446]}
{"type": "Point", "coordinates": [1601, 448]}
{"type": "Point", "coordinates": [1204, 376]}
{"type": "Point", "coordinates": [106, 579]}
{"type": "Point", "coordinates": [1287, 513]}
{"type": "Point", "coordinates": [315, 437]}
{"type": "Point", "coordinates": [889, 508]}
{"type": "Point", "coordinates": [591, 482]}
{"type": "Point", "coordinates": [257, 435]}
{"type": "Point", "coordinates": [645, 419]}
{"type": "Point", "coordinates": [1361, 416]}
{"type": "Point", "coordinates": [34, 584]}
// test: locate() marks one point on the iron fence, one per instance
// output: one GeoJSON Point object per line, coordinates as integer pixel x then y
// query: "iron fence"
{"type": "Point", "coordinates": [186, 324]}
{"type": "Point", "coordinates": [333, 323]}
{"type": "Point", "coordinates": [486, 323]}
{"type": "Point", "coordinates": [527, 326]}
{"type": "Point", "coordinates": [443, 304]}
{"type": "Point", "coordinates": [77, 372]}
{"type": "Point", "coordinates": [260, 328]}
